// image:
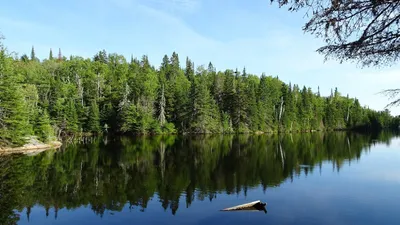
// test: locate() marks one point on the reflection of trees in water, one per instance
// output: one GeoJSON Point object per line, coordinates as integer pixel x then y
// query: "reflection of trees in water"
{"type": "Point", "coordinates": [134, 170]}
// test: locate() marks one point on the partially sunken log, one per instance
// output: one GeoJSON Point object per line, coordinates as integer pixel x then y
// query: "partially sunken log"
{"type": "Point", "coordinates": [252, 206]}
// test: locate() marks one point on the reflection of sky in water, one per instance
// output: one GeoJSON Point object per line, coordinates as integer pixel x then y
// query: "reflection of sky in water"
{"type": "Point", "coordinates": [362, 192]}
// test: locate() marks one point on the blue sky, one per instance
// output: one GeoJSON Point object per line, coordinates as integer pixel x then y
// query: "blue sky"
{"type": "Point", "coordinates": [229, 33]}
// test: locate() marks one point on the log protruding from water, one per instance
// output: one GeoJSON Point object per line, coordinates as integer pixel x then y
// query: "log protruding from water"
{"type": "Point", "coordinates": [251, 206]}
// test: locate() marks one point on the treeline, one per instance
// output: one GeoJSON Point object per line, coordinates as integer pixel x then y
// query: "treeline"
{"type": "Point", "coordinates": [60, 96]}
{"type": "Point", "coordinates": [108, 174]}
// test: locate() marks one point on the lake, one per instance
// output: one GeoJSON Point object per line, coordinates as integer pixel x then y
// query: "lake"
{"type": "Point", "coordinates": [315, 178]}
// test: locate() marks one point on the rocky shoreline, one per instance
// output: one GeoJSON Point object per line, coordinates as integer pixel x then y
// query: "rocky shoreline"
{"type": "Point", "coordinates": [32, 147]}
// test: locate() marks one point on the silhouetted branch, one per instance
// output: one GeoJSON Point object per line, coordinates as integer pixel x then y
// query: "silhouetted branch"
{"type": "Point", "coordinates": [365, 31]}
{"type": "Point", "coordinates": [392, 94]}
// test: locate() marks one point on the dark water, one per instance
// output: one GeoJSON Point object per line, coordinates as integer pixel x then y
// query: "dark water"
{"type": "Point", "coordinates": [318, 178]}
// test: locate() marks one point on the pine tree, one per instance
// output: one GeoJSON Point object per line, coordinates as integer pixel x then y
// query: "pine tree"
{"type": "Point", "coordinates": [43, 128]}
{"type": "Point", "coordinates": [128, 116]}
{"type": "Point", "coordinates": [71, 117]}
{"type": "Point", "coordinates": [182, 103]}
{"type": "Point", "coordinates": [265, 104]}
{"type": "Point", "coordinates": [170, 71]}
{"type": "Point", "coordinates": [33, 55]}
{"type": "Point", "coordinates": [94, 118]}
{"type": "Point", "coordinates": [204, 112]}
{"type": "Point", "coordinates": [356, 114]}
{"type": "Point", "coordinates": [174, 66]}
{"type": "Point", "coordinates": [252, 109]}
{"type": "Point", "coordinates": [290, 114]}
{"type": "Point", "coordinates": [189, 70]}
{"type": "Point", "coordinates": [229, 95]}
{"type": "Point", "coordinates": [319, 112]}
{"type": "Point", "coordinates": [60, 57]}
{"type": "Point", "coordinates": [14, 123]}
{"type": "Point", "coordinates": [51, 54]}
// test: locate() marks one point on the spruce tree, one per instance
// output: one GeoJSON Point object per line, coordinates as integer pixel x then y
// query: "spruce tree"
{"type": "Point", "coordinates": [43, 128]}
{"type": "Point", "coordinates": [51, 54]}
{"type": "Point", "coordinates": [14, 123]}
{"type": "Point", "coordinates": [94, 118]}
{"type": "Point", "coordinates": [204, 112]}
{"type": "Point", "coordinates": [265, 104]}
{"type": "Point", "coordinates": [33, 55]}
{"type": "Point", "coordinates": [71, 117]}
{"type": "Point", "coordinates": [252, 109]}
{"type": "Point", "coordinates": [60, 57]}
{"type": "Point", "coordinates": [289, 119]}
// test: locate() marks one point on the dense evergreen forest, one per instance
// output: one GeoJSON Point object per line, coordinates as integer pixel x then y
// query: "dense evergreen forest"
{"type": "Point", "coordinates": [105, 175]}
{"type": "Point", "coordinates": [60, 96]}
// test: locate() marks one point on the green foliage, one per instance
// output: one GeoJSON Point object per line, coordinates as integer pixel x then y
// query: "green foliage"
{"type": "Point", "coordinates": [94, 118]}
{"type": "Point", "coordinates": [14, 120]}
{"type": "Point", "coordinates": [43, 128]}
{"type": "Point", "coordinates": [128, 118]}
{"type": "Point", "coordinates": [204, 110]}
{"type": "Point", "coordinates": [87, 95]}
{"type": "Point", "coordinates": [168, 128]}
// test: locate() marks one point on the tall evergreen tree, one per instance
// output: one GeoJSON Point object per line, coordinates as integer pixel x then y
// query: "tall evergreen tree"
{"type": "Point", "coordinates": [43, 128]}
{"type": "Point", "coordinates": [33, 55]}
{"type": "Point", "coordinates": [94, 118]}
{"type": "Point", "coordinates": [252, 109]}
{"type": "Point", "coordinates": [60, 57]}
{"type": "Point", "coordinates": [14, 123]}
{"type": "Point", "coordinates": [51, 54]}
{"type": "Point", "coordinates": [265, 105]}
{"type": "Point", "coordinates": [204, 113]}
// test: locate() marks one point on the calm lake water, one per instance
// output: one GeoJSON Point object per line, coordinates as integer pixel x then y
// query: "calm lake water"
{"type": "Point", "coordinates": [319, 178]}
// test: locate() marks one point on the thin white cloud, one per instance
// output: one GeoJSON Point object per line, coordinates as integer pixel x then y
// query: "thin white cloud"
{"type": "Point", "coordinates": [186, 5]}
{"type": "Point", "coordinates": [173, 6]}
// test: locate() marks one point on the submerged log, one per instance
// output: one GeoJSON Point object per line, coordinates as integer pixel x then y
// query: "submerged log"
{"type": "Point", "coordinates": [252, 206]}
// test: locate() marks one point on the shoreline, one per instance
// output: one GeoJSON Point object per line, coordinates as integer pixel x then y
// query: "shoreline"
{"type": "Point", "coordinates": [38, 147]}
{"type": "Point", "coordinates": [30, 148]}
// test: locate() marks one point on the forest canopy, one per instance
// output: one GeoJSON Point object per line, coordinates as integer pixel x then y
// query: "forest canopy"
{"type": "Point", "coordinates": [60, 96]}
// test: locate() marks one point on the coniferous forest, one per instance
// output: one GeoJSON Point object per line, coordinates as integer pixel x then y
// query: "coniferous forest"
{"type": "Point", "coordinates": [61, 96]}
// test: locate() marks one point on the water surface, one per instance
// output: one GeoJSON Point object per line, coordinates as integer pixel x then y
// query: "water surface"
{"type": "Point", "coordinates": [319, 178]}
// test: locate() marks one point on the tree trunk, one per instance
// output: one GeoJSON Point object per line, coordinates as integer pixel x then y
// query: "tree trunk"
{"type": "Point", "coordinates": [80, 88]}
{"type": "Point", "coordinates": [281, 110]}
{"type": "Point", "coordinates": [161, 117]}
